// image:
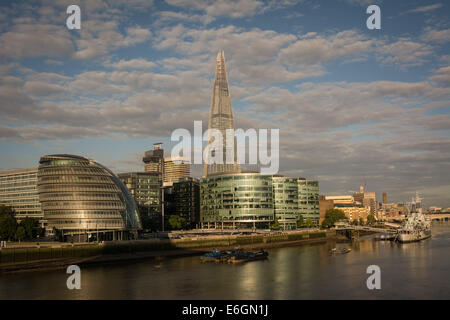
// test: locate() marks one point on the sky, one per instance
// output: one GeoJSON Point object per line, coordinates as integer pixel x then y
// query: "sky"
{"type": "Point", "coordinates": [354, 106]}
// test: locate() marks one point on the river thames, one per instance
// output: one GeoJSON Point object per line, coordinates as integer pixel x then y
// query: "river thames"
{"type": "Point", "coordinates": [408, 271]}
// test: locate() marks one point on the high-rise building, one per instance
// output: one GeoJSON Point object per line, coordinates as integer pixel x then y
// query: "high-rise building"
{"type": "Point", "coordinates": [81, 199]}
{"type": "Point", "coordinates": [154, 159]}
{"type": "Point", "coordinates": [221, 119]}
{"type": "Point", "coordinates": [183, 199]}
{"type": "Point", "coordinates": [170, 169]}
{"type": "Point", "coordinates": [308, 200]}
{"type": "Point", "coordinates": [384, 197]}
{"type": "Point", "coordinates": [145, 188]}
{"type": "Point", "coordinates": [176, 169]}
{"type": "Point", "coordinates": [18, 190]}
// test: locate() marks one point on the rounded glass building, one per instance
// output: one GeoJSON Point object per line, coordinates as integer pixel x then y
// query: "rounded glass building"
{"type": "Point", "coordinates": [82, 200]}
{"type": "Point", "coordinates": [240, 199]}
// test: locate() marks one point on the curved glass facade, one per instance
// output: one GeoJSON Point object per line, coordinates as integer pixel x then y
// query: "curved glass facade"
{"type": "Point", "coordinates": [243, 198]}
{"type": "Point", "coordinates": [79, 195]}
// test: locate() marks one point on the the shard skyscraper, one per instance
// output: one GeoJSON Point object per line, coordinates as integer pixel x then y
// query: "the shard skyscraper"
{"type": "Point", "coordinates": [220, 118]}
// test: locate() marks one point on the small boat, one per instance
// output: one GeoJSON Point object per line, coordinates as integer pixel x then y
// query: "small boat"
{"type": "Point", "coordinates": [340, 251]}
{"type": "Point", "coordinates": [243, 256]}
{"type": "Point", "coordinates": [214, 256]}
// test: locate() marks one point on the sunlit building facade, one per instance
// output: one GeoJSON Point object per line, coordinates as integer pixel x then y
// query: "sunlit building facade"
{"type": "Point", "coordinates": [81, 199]}
{"type": "Point", "coordinates": [285, 196]}
{"type": "Point", "coordinates": [236, 200]}
{"type": "Point", "coordinates": [308, 200]}
{"type": "Point", "coordinates": [254, 200]}
{"type": "Point", "coordinates": [18, 190]}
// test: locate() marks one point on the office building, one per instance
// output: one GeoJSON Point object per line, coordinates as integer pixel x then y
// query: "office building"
{"type": "Point", "coordinates": [308, 200]}
{"type": "Point", "coordinates": [324, 206]}
{"type": "Point", "coordinates": [384, 197]}
{"type": "Point", "coordinates": [285, 201]}
{"type": "Point", "coordinates": [154, 159]}
{"type": "Point", "coordinates": [221, 119]}
{"type": "Point", "coordinates": [145, 188]}
{"type": "Point", "coordinates": [175, 169]}
{"type": "Point", "coordinates": [81, 200]}
{"type": "Point", "coordinates": [18, 190]}
{"type": "Point", "coordinates": [253, 200]}
{"type": "Point", "coordinates": [170, 169]}
{"type": "Point", "coordinates": [234, 200]}
{"type": "Point", "coordinates": [182, 198]}
{"type": "Point", "coordinates": [353, 209]}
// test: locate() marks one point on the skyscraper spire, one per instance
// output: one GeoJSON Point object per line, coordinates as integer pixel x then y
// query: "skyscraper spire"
{"type": "Point", "coordinates": [220, 118]}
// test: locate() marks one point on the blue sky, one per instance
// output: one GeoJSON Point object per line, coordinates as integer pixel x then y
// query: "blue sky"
{"type": "Point", "coordinates": [353, 105]}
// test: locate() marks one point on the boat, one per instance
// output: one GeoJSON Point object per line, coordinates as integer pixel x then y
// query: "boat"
{"type": "Point", "coordinates": [340, 251]}
{"type": "Point", "coordinates": [416, 226]}
{"type": "Point", "coordinates": [243, 256]}
{"type": "Point", "coordinates": [214, 256]}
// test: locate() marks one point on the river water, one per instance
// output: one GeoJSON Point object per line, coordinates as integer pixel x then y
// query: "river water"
{"type": "Point", "coordinates": [408, 271]}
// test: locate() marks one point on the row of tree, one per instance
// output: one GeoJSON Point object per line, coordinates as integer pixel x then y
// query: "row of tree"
{"type": "Point", "coordinates": [10, 229]}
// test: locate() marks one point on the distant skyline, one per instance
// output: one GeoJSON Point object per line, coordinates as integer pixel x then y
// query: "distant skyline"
{"type": "Point", "coordinates": [353, 105]}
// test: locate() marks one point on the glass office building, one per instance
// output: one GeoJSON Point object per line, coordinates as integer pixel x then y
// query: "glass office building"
{"type": "Point", "coordinates": [285, 196]}
{"type": "Point", "coordinates": [82, 199]}
{"type": "Point", "coordinates": [249, 200]}
{"type": "Point", "coordinates": [18, 190]}
{"type": "Point", "coordinates": [145, 188]}
{"type": "Point", "coordinates": [308, 200]}
{"type": "Point", "coordinates": [236, 200]}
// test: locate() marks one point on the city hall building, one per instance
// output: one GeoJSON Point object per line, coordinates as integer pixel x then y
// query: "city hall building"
{"type": "Point", "coordinates": [81, 200]}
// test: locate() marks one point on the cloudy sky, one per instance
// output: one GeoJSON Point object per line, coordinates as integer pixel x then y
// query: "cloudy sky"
{"type": "Point", "coordinates": [353, 105]}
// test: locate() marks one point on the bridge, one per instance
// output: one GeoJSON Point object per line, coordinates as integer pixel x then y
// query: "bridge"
{"type": "Point", "coordinates": [352, 232]}
{"type": "Point", "coordinates": [439, 216]}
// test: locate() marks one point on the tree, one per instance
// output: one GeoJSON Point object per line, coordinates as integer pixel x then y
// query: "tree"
{"type": "Point", "coordinates": [31, 227]}
{"type": "Point", "coordinates": [361, 221]}
{"type": "Point", "coordinates": [8, 223]}
{"type": "Point", "coordinates": [332, 216]}
{"type": "Point", "coordinates": [275, 225]}
{"type": "Point", "coordinates": [20, 233]}
{"type": "Point", "coordinates": [309, 223]}
{"type": "Point", "coordinates": [176, 222]}
{"type": "Point", "coordinates": [300, 221]}
{"type": "Point", "coordinates": [370, 219]}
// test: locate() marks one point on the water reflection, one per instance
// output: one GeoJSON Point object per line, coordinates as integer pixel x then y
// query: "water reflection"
{"type": "Point", "coordinates": [415, 270]}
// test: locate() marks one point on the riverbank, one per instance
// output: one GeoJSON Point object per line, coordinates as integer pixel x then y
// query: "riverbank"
{"type": "Point", "coordinates": [39, 259]}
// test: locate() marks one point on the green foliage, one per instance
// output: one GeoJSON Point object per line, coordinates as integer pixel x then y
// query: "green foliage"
{"type": "Point", "coordinates": [309, 223]}
{"type": "Point", "coordinates": [300, 221]}
{"type": "Point", "coordinates": [370, 219]}
{"type": "Point", "coordinates": [332, 216]}
{"type": "Point", "coordinates": [275, 225]}
{"type": "Point", "coordinates": [176, 222]}
{"type": "Point", "coordinates": [20, 233]}
{"type": "Point", "coordinates": [8, 223]}
{"type": "Point", "coordinates": [361, 221]}
{"type": "Point", "coordinates": [31, 227]}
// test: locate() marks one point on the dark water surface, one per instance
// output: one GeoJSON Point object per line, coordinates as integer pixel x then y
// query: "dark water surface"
{"type": "Point", "coordinates": [408, 271]}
